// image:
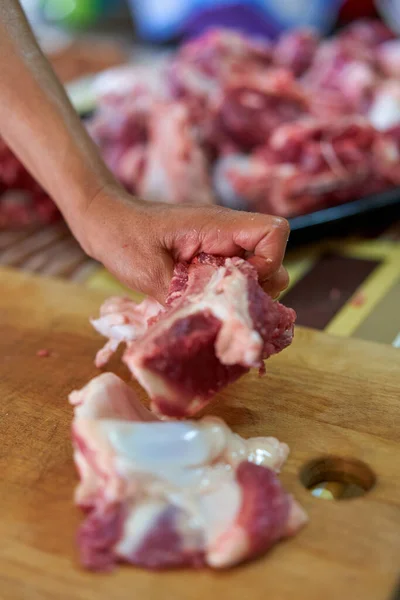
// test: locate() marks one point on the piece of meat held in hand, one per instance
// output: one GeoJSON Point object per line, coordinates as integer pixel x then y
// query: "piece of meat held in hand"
{"type": "Point", "coordinates": [172, 494]}
{"type": "Point", "coordinates": [219, 323]}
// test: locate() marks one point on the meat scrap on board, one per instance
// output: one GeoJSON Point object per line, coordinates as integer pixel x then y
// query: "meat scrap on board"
{"type": "Point", "coordinates": [218, 323]}
{"type": "Point", "coordinates": [172, 494]}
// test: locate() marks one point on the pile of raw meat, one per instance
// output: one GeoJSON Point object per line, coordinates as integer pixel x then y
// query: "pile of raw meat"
{"type": "Point", "coordinates": [283, 128]}
{"type": "Point", "coordinates": [22, 200]}
{"type": "Point", "coordinates": [164, 493]}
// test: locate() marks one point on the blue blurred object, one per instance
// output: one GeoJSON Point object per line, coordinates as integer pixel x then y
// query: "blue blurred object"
{"type": "Point", "coordinates": [390, 12]}
{"type": "Point", "coordinates": [163, 20]}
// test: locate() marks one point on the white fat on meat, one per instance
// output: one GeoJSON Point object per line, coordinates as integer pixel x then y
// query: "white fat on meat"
{"type": "Point", "coordinates": [176, 169]}
{"type": "Point", "coordinates": [127, 79]}
{"type": "Point", "coordinates": [122, 320]}
{"type": "Point", "coordinates": [385, 110]}
{"type": "Point", "coordinates": [125, 456]}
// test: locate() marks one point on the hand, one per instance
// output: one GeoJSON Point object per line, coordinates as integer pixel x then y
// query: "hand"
{"type": "Point", "coordinates": [139, 242]}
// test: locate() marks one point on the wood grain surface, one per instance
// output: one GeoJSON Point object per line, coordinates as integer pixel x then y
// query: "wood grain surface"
{"type": "Point", "coordinates": [324, 395]}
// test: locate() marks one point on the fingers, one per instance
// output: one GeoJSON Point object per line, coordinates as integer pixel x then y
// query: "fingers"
{"type": "Point", "coordinates": [266, 238]}
{"type": "Point", "coordinates": [262, 239]}
{"type": "Point", "coordinates": [277, 283]}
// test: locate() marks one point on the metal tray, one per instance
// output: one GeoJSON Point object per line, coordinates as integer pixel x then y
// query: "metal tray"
{"type": "Point", "coordinates": [371, 212]}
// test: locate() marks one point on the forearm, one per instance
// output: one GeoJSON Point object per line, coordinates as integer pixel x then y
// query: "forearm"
{"type": "Point", "coordinates": [39, 124]}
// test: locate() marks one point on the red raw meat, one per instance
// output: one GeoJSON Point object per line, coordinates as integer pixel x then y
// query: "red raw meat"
{"type": "Point", "coordinates": [306, 165]}
{"type": "Point", "coordinates": [254, 104]}
{"type": "Point", "coordinates": [341, 80]}
{"type": "Point", "coordinates": [331, 161]}
{"type": "Point", "coordinates": [295, 50]}
{"type": "Point", "coordinates": [219, 323]}
{"type": "Point", "coordinates": [387, 155]}
{"type": "Point", "coordinates": [22, 200]}
{"type": "Point", "coordinates": [201, 66]}
{"type": "Point", "coordinates": [347, 69]}
{"type": "Point", "coordinates": [120, 127]}
{"type": "Point", "coordinates": [388, 56]}
{"type": "Point", "coordinates": [172, 494]}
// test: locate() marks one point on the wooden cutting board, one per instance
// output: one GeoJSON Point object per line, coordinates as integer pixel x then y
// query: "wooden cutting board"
{"type": "Point", "coordinates": [322, 396]}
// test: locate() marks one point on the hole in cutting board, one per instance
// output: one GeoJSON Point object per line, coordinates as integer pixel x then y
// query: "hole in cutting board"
{"type": "Point", "coordinates": [335, 478]}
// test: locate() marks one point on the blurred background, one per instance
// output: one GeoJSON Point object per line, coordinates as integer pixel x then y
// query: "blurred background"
{"type": "Point", "coordinates": [344, 259]}
{"type": "Point", "coordinates": [163, 21]}
{"type": "Point", "coordinates": [161, 24]}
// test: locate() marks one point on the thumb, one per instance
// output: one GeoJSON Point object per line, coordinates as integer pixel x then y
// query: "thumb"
{"type": "Point", "coordinates": [156, 276]}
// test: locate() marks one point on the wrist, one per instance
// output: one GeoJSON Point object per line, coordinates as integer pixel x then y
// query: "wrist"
{"type": "Point", "coordinates": [99, 224]}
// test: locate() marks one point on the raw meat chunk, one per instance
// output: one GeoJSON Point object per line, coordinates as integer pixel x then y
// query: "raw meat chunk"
{"type": "Point", "coordinates": [387, 155]}
{"type": "Point", "coordinates": [340, 81]}
{"type": "Point", "coordinates": [172, 494]}
{"type": "Point", "coordinates": [201, 66]}
{"type": "Point", "coordinates": [174, 172]}
{"type": "Point", "coordinates": [22, 200]}
{"type": "Point", "coordinates": [295, 50]}
{"type": "Point", "coordinates": [306, 165]}
{"type": "Point", "coordinates": [219, 323]}
{"type": "Point", "coordinates": [126, 99]}
{"type": "Point", "coordinates": [330, 159]}
{"type": "Point", "coordinates": [254, 103]}
{"type": "Point", "coordinates": [199, 72]}
{"type": "Point", "coordinates": [347, 69]}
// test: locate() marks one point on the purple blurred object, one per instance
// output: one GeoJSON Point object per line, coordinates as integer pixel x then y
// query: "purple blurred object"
{"type": "Point", "coordinates": [164, 20]}
{"type": "Point", "coordinates": [247, 19]}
